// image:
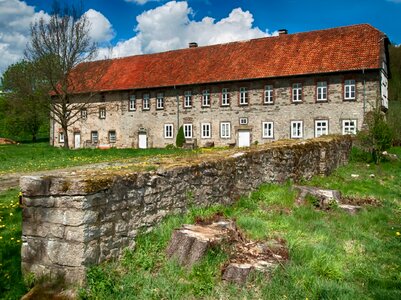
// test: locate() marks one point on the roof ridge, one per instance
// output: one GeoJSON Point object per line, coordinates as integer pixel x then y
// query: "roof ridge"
{"type": "Point", "coordinates": [240, 41]}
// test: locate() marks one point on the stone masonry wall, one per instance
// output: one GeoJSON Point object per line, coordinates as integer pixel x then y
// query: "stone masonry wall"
{"type": "Point", "coordinates": [74, 221]}
{"type": "Point", "coordinates": [127, 124]}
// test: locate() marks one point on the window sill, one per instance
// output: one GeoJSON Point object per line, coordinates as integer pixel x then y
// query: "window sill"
{"type": "Point", "coordinates": [268, 103]}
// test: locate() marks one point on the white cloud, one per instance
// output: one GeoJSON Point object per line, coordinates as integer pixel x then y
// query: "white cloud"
{"type": "Point", "coordinates": [15, 19]}
{"type": "Point", "coordinates": [169, 26]}
{"type": "Point", "coordinates": [101, 29]}
{"type": "Point", "coordinates": [395, 1]}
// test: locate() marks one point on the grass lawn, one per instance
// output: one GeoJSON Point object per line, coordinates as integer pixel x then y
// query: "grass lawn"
{"type": "Point", "coordinates": [11, 283]}
{"type": "Point", "coordinates": [42, 156]}
{"type": "Point", "coordinates": [333, 255]}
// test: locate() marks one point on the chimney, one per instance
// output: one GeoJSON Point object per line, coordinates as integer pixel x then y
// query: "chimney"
{"type": "Point", "coordinates": [193, 45]}
{"type": "Point", "coordinates": [282, 31]}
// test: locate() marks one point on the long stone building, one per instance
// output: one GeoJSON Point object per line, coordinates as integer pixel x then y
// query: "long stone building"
{"type": "Point", "coordinates": [291, 86]}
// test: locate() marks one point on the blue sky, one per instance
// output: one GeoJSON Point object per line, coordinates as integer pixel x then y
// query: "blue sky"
{"type": "Point", "coordinates": [296, 16]}
{"type": "Point", "coordinates": [142, 26]}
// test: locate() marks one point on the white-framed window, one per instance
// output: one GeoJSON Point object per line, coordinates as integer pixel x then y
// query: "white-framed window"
{"type": "Point", "coordinates": [297, 92]}
{"type": "Point", "coordinates": [94, 137]}
{"type": "Point", "coordinates": [267, 130]}
{"type": "Point", "coordinates": [349, 89]}
{"type": "Point", "coordinates": [102, 113]}
{"type": "Point", "coordinates": [296, 129]}
{"type": "Point", "coordinates": [243, 121]}
{"type": "Point", "coordinates": [321, 127]}
{"type": "Point", "coordinates": [160, 101]}
{"type": "Point", "coordinates": [268, 95]}
{"type": "Point", "coordinates": [206, 98]}
{"type": "Point", "coordinates": [206, 132]}
{"type": "Point", "coordinates": [187, 99]}
{"type": "Point", "coordinates": [112, 136]}
{"type": "Point", "coordinates": [145, 102]}
{"type": "Point", "coordinates": [188, 131]}
{"type": "Point", "coordinates": [349, 126]}
{"type": "Point", "coordinates": [84, 114]}
{"type": "Point", "coordinates": [225, 130]}
{"type": "Point", "coordinates": [243, 96]}
{"type": "Point", "coordinates": [132, 103]}
{"type": "Point", "coordinates": [321, 90]}
{"type": "Point", "coordinates": [168, 131]}
{"type": "Point", "coordinates": [225, 97]}
{"type": "Point", "coordinates": [61, 137]}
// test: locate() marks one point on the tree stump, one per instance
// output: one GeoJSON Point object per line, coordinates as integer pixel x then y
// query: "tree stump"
{"type": "Point", "coordinates": [324, 197]}
{"type": "Point", "coordinates": [190, 243]}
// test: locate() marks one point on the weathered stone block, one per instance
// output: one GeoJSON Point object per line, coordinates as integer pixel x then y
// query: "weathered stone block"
{"type": "Point", "coordinates": [65, 253]}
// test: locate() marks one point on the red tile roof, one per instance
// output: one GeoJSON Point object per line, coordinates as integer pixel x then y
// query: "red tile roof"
{"type": "Point", "coordinates": [348, 48]}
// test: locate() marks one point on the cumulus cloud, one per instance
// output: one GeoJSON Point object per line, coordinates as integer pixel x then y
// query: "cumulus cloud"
{"type": "Point", "coordinates": [101, 29]}
{"type": "Point", "coordinates": [171, 26]}
{"type": "Point", "coordinates": [15, 19]}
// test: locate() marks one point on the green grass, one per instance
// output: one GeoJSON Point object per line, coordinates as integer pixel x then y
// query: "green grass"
{"type": "Point", "coordinates": [11, 283]}
{"type": "Point", "coordinates": [333, 255]}
{"type": "Point", "coordinates": [42, 156]}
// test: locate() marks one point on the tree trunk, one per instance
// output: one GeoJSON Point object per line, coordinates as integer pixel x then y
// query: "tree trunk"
{"type": "Point", "coordinates": [66, 139]}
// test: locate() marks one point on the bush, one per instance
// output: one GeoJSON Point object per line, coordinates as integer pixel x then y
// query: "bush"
{"type": "Point", "coordinates": [377, 137]}
{"type": "Point", "coordinates": [180, 140]}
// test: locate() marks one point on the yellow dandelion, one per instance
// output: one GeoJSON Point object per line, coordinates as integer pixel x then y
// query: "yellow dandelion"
{"type": "Point", "coordinates": [1, 237]}
{"type": "Point", "coordinates": [12, 239]}
{"type": "Point", "coordinates": [11, 214]}
{"type": "Point", "coordinates": [398, 233]}
{"type": "Point", "coordinates": [18, 241]}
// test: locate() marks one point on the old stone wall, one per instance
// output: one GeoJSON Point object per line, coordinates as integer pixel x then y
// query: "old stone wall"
{"type": "Point", "coordinates": [127, 124]}
{"type": "Point", "coordinates": [74, 221]}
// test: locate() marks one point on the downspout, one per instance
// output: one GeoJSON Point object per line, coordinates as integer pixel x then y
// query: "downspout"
{"type": "Point", "coordinates": [178, 108]}
{"type": "Point", "coordinates": [364, 93]}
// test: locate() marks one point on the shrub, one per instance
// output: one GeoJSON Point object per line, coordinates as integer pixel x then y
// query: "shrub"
{"type": "Point", "coordinates": [377, 137]}
{"type": "Point", "coordinates": [180, 140]}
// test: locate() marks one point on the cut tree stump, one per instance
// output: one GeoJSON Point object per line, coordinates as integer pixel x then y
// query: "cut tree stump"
{"type": "Point", "coordinates": [325, 197]}
{"type": "Point", "coordinates": [237, 273]}
{"type": "Point", "coordinates": [190, 243]}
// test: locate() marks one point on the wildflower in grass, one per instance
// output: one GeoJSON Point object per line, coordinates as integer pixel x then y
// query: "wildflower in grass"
{"type": "Point", "coordinates": [1, 237]}
{"type": "Point", "coordinates": [12, 239]}
{"type": "Point", "coordinates": [397, 233]}
{"type": "Point", "coordinates": [11, 213]}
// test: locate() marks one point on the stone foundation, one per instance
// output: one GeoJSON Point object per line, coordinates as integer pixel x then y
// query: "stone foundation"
{"type": "Point", "coordinates": [77, 220]}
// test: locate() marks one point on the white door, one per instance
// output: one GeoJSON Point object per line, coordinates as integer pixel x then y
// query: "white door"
{"type": "Point", "coordinates": [143, 141]}
{"type": "Point", "coordinates": [77, 140]}
{"type": "Point", "coordinates": [244, 138]}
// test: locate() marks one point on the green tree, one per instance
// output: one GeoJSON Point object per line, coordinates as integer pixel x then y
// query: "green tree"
{"type": "Point", "coordinates": [180, 139]}
{"type": "Point", "coordinates": [25, 99]}
{"type": "Point", "coordinates": [377, 137]}
{"type": "Point", "coordinates": [62, 47]}
{"type": "Point", "coordinates": [395, 71]}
